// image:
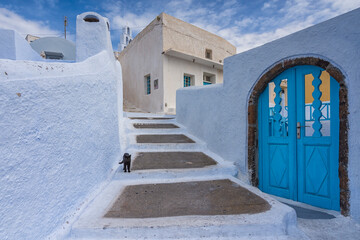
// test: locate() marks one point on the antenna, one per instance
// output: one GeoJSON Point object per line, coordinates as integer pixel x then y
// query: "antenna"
{"type": "Point", "coordinates": [65, 24]}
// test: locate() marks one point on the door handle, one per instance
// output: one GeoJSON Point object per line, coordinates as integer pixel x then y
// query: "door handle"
{"type": "Point", "coordinates": [298, 129]}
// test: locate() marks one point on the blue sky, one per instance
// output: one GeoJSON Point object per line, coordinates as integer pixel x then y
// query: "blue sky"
{"type": "Point", "coordinates": [244, 23]}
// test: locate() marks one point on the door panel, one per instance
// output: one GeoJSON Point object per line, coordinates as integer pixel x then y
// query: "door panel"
{"type": "Point", "coordinates": [317, 148]}
{"type": "Point", "coordinates": [279, 166]}
{"type": "Point", "coordinates": [301, 167]}
{"type": "Point", "coordinates": [278, 151]}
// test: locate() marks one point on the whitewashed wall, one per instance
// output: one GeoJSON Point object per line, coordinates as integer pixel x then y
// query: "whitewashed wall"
{"type": "Point", "coordinates": [15, 47]}
{"type": "Point", "coordinates": [140, 58]}
{"type": "Point", "coordinates": [92, 37]}
{"type": "Point", "coordinates": [59, 140]}
{"type": "Point", "coordinates": [224, 125]}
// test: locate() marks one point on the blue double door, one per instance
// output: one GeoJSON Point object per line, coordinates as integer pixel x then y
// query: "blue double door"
{"type": "Point", "coordinates": [299, 137]}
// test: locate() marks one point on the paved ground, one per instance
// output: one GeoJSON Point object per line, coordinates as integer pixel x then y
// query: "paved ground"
{"type": "Point", "coordinates": [219, 197]}
{"type": "Point", "coordinates": [171, 160]}
{"type": "Point", "coordinates": [306, 213]}
{"type": "Point", "coordinates": [322, 224]}
{"type": "Point", "coordinates": [342, 228]}
{"type": "Point", "coordinates": [168, 138]}
{"type": "Point", "coordinates": [155, 125]}
{"type": "Point", "coordinates": [149, 118]}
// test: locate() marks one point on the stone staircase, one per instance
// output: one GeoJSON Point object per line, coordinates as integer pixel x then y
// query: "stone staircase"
{"type": "Point", "coordinates": [178, 189]}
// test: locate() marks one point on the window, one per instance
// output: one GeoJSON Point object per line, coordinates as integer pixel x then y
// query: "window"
{"type": "Point", "coordinates": [127, 40]}
{"type": "Point", "coordinates": [156, 84]}
{"type": "Point", "coordinates": [209, 78]}
{"type": "Point", "coordinates": [91, 18]}
{"type": "Point", "coordinates": [128, 31]}
{"type": "Point", "coordinates": [188, 80]}
{"type": "Point", "coordinates": [208, 53]}
{"type": "Point", "coordinates": [147, 84]}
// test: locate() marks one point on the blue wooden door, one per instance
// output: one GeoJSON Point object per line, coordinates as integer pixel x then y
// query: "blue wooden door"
{"type": "Point", "coordinates": [299, 137]}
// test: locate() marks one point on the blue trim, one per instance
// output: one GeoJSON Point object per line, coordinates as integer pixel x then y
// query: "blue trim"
{"type": "Point", "coordinates": [304, 169]}
{"type": "Point", "coordinates": [148, 85]}
{"type": "Point", "coordinates": [187, 81]}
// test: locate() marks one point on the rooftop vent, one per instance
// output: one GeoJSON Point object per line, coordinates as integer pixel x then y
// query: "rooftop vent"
{"type": "Point", "coordinates": [91, 18]}
{"type": "Point", "coordinates": [52, 55]}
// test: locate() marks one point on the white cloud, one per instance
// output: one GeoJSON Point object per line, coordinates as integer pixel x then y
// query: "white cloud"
{"type": "Point", "coordinates": [268, 5]}
{"type": "Point", "coordinates": [245, 22]}
{"type": "Point", "coordinates": [295, 15]}
{"type": "Point", "coordinates": [41, 4]}
{"type": "Point", "coordinates": [11, 20]}
{"type": "Point", "coordinates": [132, 20]}
{"type": "Point", "coordinates": [232, 21]}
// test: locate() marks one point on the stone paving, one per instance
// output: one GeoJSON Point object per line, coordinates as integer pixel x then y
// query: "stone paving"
{"type": "Point", "coordinates": [150, 118]}
{"type": "Point", "coordinates": [166, 138]}
{"type": "Point", "coordinates": [154, 125]}
{"type": "Point", "coordinates": [220, 197]}
{"type": "Point", "coordinates": [171, 160]}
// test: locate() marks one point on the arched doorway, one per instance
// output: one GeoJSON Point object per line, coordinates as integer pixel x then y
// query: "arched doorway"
{"type": "Point", "coordinates": [254, 144]}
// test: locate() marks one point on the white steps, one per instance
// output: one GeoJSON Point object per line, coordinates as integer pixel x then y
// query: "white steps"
{"type": "Point", "coordinates": [277, 223]}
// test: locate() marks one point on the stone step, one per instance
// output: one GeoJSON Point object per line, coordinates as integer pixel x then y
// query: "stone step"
{"type": "Point", "coordinates": [199, 147]}
{"type": "Point", "coordinates": [217, 197]}
{"type": "Point", "coordinates": [178, 189]}
{"type": "Point", "coordinates": [163, 138]}
{"type": "Point", "coordinates": [191, 209]}
{"type": "Point", "coordinates": [154, 125]}
{"type": "Point", "coordinates": [151, 118]}
{"type": "Point", "coordinates": [298, 236]}
{"type": "Point", "coordinates": [186, 155]}
{"type": "Point", "coordinates": [171, 160]}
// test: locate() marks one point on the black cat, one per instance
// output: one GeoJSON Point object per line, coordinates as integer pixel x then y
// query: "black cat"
{"type": "Point", "coordinates": [126, 160]}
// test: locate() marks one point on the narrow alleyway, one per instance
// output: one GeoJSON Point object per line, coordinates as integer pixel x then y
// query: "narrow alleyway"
{"type": "Point", "coordinates": [179, 189]}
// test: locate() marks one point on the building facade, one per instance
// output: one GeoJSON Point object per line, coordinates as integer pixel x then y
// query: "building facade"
{"type": "Point", "coordinates": [291, 118]}
{"type": "Point", "coordinates": [167, 55]}
{"type": "Point", "coordinates": [30, 38]}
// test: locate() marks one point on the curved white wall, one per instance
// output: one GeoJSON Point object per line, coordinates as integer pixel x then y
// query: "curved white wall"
{"type": "Point", "coordinates": [59, 139]}
{"type": "Point", "coordinates": [224, 125]}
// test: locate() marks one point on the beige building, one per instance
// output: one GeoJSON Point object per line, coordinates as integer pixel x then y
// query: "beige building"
{"type": "Point", "coordinates": [167, 55]}
{"type": "Point", "coordinates": [30, 38]}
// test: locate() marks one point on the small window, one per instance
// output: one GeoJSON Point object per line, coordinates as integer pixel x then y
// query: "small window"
{"type": "Point", "coordinates": [127, 40]}
{"type": "Point", "coordinates": [91, 18]}
{"type": "Point", "coordinates": [209, 78]}
{"type": "Point", "coordinates": [188, 80]}
{"type": "Point", "coordinates": [128, 31]}
{"type": "Point", "coordinates": [156, 84]}
{"type": "Point", "coordinates": [147, 84]}
{"type": "Point", "coordinates": [208, 53]}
